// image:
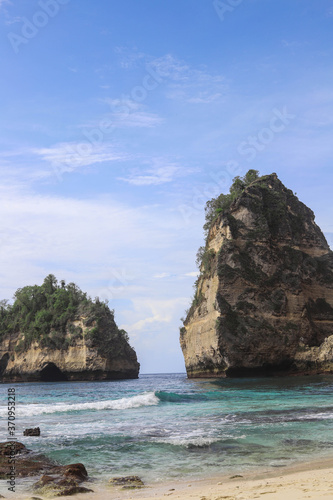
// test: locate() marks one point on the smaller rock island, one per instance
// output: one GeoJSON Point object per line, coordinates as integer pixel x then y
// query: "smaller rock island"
{"type": "Point", "coordinates": [55, 332]}
{"type": "Point", "coordinates": [263, 303]}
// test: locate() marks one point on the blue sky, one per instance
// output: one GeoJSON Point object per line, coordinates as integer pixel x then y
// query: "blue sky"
{"type": "Point", "coordinates": [119, 120]}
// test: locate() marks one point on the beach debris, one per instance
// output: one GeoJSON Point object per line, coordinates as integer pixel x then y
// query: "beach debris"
{"type": "Point", "coordinates": [32, 432]}
{"type": "Point", "coordinates": [235, 477]}
{"type": "Point", "coordinates": [127, 482]}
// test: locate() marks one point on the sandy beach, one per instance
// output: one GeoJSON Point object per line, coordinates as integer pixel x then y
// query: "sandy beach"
{"type": "Point", "coordinates": [307, 481]}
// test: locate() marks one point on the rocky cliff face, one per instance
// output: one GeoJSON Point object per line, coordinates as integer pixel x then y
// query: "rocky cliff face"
{"type": "Point", "coordinates": [83, 356]}
{"type": "Point", "coordinates": [264, 298]}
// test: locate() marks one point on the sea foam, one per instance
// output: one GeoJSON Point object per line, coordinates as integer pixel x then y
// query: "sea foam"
{"type": "Point", "coordinates": [145, 399]}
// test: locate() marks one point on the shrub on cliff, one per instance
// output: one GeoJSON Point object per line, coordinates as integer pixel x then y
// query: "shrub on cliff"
{"type": "Point", "coordinates": [44, 314]}
{"type": "Point", "coordinates": [217, 205]}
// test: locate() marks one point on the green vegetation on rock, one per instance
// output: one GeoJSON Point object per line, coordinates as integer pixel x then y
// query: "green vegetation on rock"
{"type": "Point", "coordinates": [222, 203]}
{"type": "Point", "coordinates": [220, 206]}
{"type": "Point", "coordinates": [45, 314]}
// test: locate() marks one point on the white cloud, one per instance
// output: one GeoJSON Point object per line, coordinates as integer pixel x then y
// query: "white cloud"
{"type": "Point", "coordinates": [128, 57]}
{"type": "Point", "coordinates": [169, 66]}
{"type": "Point", "coordinates": [3, 2]}
{"type": "Point", "coordinates": [127, 112]}
{"type": "Point", "coordinates": [162, 275]}
{"type": "Point", "coordinates": [96, 235]}
{"type": "Point", "coordinates": [161, 171]}
{"type": "Point", "coordinates": [195, 86]}
{"type": "Point", "coordinates": [141, 119]}
{"type": "Point", "coordinates": [68, 156]}
{"type": "Point", "coordinates": [205, 98]}
{"type": "Point", "coordinates": [155, 312]}
{"type": "Point", "coordinates": [152, 176]}
{"type": "Point", "coordinates": [193, 274]}
{"type": "Point", "coordinates": [109, 249]}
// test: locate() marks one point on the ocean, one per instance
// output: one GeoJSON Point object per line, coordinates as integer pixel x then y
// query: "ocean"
{"type": "Point", "coordinates": [164, 427]}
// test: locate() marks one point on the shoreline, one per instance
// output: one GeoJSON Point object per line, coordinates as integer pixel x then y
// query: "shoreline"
{"type": "Point", "coordinates": [311, 480]}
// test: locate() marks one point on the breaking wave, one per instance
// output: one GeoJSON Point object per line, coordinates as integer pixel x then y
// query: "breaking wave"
{"type": "Point", "coordinates": [145, 399]}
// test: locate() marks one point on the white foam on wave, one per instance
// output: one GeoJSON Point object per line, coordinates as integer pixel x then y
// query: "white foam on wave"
{"type": "Point", "coordinates": [315, 416]}
{"type": "Point", "coordinates": [199, 442]}
{"type": "Point", "coordinates": [145, 399]}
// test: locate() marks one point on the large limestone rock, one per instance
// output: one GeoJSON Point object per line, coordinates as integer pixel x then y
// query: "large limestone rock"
{"type": "Point", "coordinates": [264, 298]}
{"type": "Point", "coordinates": [86, 358]}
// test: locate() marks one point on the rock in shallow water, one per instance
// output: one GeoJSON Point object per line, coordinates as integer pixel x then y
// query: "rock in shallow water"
{"type": "Point", "coordinates": [57, 480]}
{"type": "Point", "coordinates": [32, 432]}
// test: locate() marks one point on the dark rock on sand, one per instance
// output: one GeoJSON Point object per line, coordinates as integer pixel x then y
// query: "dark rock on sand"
{"type": "Point", "coordinates": [78, 471]}
{"type": "Point", "coordinates": [127, 482]}
{"type": "Point", "coordinates": [63, 480]}
{"type": "Point", "coordinates": [59, 486]}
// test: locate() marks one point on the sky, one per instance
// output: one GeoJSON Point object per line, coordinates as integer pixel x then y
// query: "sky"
{"type": "Point", "coordinates": [119, 120]}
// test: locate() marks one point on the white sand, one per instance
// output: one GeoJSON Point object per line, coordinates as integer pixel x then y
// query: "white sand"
{"type": "Point", "coordinates": [310, 481]}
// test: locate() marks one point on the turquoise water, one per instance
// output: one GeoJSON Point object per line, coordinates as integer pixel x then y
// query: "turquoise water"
{"type": "Point", "coordinates": [166, 426]}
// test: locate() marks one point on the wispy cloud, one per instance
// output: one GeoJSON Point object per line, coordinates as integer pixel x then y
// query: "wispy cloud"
{"type": "Point", "coordinates": [182, 81]}
{"type": "Point", "coordinates": [128, 57]}
{"type": "Point", "coordinates": [205, 98]}
{"type": "Point", "coordinates": [155, 311]}
{"type": "Point", "coordinates": [141, 119]}
{"type": "Point", "coordinates": [152, 176]}
{"type": "Point", "coordinates": [71, 155]}
{"type": "Point", "coordinates": [169, 275]}
{"type": "Point", "coordinates": [196, 86]}
{"type": "Point", "coordinates": [3, 2]}
{"type": "Point", "coordinates": [294, 44]}
{"type": "Point", "coordinates": [170, 67]}
{"type": "Point", "coordinates": [161, 171]}
{"type": "Point", "coordinates": [162, 275]}
{"type": "Point", "coordinates": [129, 113]}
